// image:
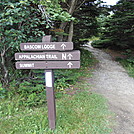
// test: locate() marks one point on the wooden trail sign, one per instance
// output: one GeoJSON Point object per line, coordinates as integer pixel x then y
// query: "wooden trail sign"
{"type": "Point", "coordinates": [47, 64]}
{"type": "Point", "coordinates": [54, 55]}
{"type": "Point", "coordinates": [51, 56]}
{"type": "Point", "coordinates": [46, 46]}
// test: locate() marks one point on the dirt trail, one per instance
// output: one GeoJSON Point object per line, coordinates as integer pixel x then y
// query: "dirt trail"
{"type": "Point", "coordinates": [111, 80]}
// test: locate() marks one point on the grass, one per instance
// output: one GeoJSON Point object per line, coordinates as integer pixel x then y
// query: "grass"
{"type": "Point", "coordinates": [130, 69]}
{"type": "Point", "coordinates": [128, 66]}
{"type": "Point", "coordinates": [79, 111]}
{"type": "Point", "coordinates": [93, 38]}
{"type": "Point", "coordinates": [83, 112]}
{"type": "Point", "coordinates": [125, 57]}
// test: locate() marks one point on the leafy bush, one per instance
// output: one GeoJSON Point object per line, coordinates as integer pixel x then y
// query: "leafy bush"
{"type": "Point", "coordinates": [118, 27]}
{"type": "Point", "coordinates": [129, 67]}
{"type": "Point", "coordinates": [29, 94]}
{"type": "Point", "coordinates": [101, 43]}
{"type": "Point", "coordinates": [23, 21]}
{"type": "Point", "coordinates": [3, 92]}
{"type": "Point", "coordinates": [61, 84]}
{"type": "Point", "coordinates": [19, 22]}
{"type": "Point", "coordinates": [32, 91]}
{"type": "Point", "coordinates": [32, 95]}
{"type": "Point", "coordinates": [128, 64]}
{"type": "Point", "coordinates": [130, 56]}
{"type": "Point", "coordinates": [87, 59]}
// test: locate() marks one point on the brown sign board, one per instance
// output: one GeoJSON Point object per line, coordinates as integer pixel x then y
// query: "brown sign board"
{"type": "Point", "coordinates": [47, 64]}
{"type": "Point", "coordinates": [46, 46]}
{"type": "Point", "coordinates": [51, 56]}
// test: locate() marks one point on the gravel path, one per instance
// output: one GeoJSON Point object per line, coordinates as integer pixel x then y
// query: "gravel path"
{"type": "Point", "coordinates": [111, 80]}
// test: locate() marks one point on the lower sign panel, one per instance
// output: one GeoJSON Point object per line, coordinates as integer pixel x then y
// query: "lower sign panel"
{"type": "Point", "coordinates": [48, 64]}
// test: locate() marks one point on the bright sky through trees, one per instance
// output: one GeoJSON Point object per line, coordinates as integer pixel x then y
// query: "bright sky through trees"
{"type": "Point", "coordinates": [110, 2]}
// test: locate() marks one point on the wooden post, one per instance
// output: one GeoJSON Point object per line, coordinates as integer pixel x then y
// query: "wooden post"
{"type": "Point", "coordinates": [49, 78]}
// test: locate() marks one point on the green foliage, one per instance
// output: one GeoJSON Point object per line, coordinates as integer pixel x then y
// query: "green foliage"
{"type": "Point", "coordinates": [53, 12]}
{"type": "Point", "coordinates": [86, 24]}
{"type": "Point", "coordinates": [31, 95]}
{"type": "Point", "coordinates": [73, 116]}
{"type": "Point", "coordinates": [32, 91]}
{"type": "Point", "coordinates": [57, 14]}
{"type": "Point", "coordinates": [87, 59]}
{"type": "Point", "coordinates": [101, 43]}
{"type": "Point", "coordinates": [93, 38]}
{"type": "Point", "coordinates": [118, 27]}
{"type": "Point", "coordinates": [66, 78]}
{"type": "Point", "coordinates": [61, 84]}
{"type": "Point", "coordinates": [3, 92]}
{"type": "Point", "coordinates": [128, 62]}
{"type": "Point", "coordinates": [19, 22]}
{"type": "Point", "coordinates": [22, 21]}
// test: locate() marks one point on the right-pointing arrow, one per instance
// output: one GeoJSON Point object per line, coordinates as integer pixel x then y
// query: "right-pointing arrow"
{"type": "Point", "coordinates": [70, 64]}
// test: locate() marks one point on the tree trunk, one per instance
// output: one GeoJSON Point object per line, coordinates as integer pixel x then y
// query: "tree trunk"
{"type": "Point", "coordinates": [70, 36]}
{"type": "Point", "coordinates": [5, 70]}
{"type": "Point", "coordinates": [64, 24]}
{"type": "Point", "coordinates": [72, 6]}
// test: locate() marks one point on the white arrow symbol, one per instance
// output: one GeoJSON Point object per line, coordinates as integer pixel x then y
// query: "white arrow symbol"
{"type": "Point", "coordinates": [63, 46]}
{"type": "Point", "coordinates": [70, 56]}
{"type": "Point", "coordinates": [70, 64]}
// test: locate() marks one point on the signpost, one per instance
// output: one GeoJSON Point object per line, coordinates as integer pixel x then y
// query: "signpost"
{"type": "Point", "coordinates": [54, 55]}
{"type": "Point", "coordinates": [49, 77]}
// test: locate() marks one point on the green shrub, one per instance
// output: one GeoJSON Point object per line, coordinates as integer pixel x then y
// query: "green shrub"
{"type": "Point", "coordinates": [3, 92]}
{"type": "Point", "coordinates": [31, 95]}
{"type": "Point", "coordinates": [32, 90]}
{"type": "Point", "coordinates": [128, 64]}
{"type": "Point", "coordinates": [101, 43]}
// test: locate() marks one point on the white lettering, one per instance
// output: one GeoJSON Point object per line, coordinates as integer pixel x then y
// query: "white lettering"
{"type": "Point", "coordinates": [36, 47]}
{"type": "Point", "coordinates": [32, 56]}
{"type": "Point", "coordinates": [27, 65]}
{"type": "Point", "coordinates": [64, 56]}
{"type": "Point", "coordinates": [53, 56]}
{"type": "Point", "coordinates": [48, 46]}
{"type": "Point", "coordinates": [20, 56]}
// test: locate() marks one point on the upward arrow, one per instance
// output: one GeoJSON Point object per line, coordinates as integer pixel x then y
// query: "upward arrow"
{"type": "Point", "coordinates": [70, 56]}
{"type": "Point", "coordinates": [70, 64]}
{"type": "Point", "coordinates": [63, 46]}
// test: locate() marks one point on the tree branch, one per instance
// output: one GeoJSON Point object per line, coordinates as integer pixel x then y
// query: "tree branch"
{"type": "Point", "coordinates": [80, 5]}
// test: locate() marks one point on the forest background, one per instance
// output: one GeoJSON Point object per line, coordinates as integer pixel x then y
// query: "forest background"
{"type": "Point", "coordinates": [66, 20]}
{"type": "Point", "coordinates": [22, 92]}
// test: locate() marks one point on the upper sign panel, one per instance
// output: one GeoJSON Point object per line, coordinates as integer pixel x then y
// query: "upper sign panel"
{"type": "Point", "coordinates": [46, 46]}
